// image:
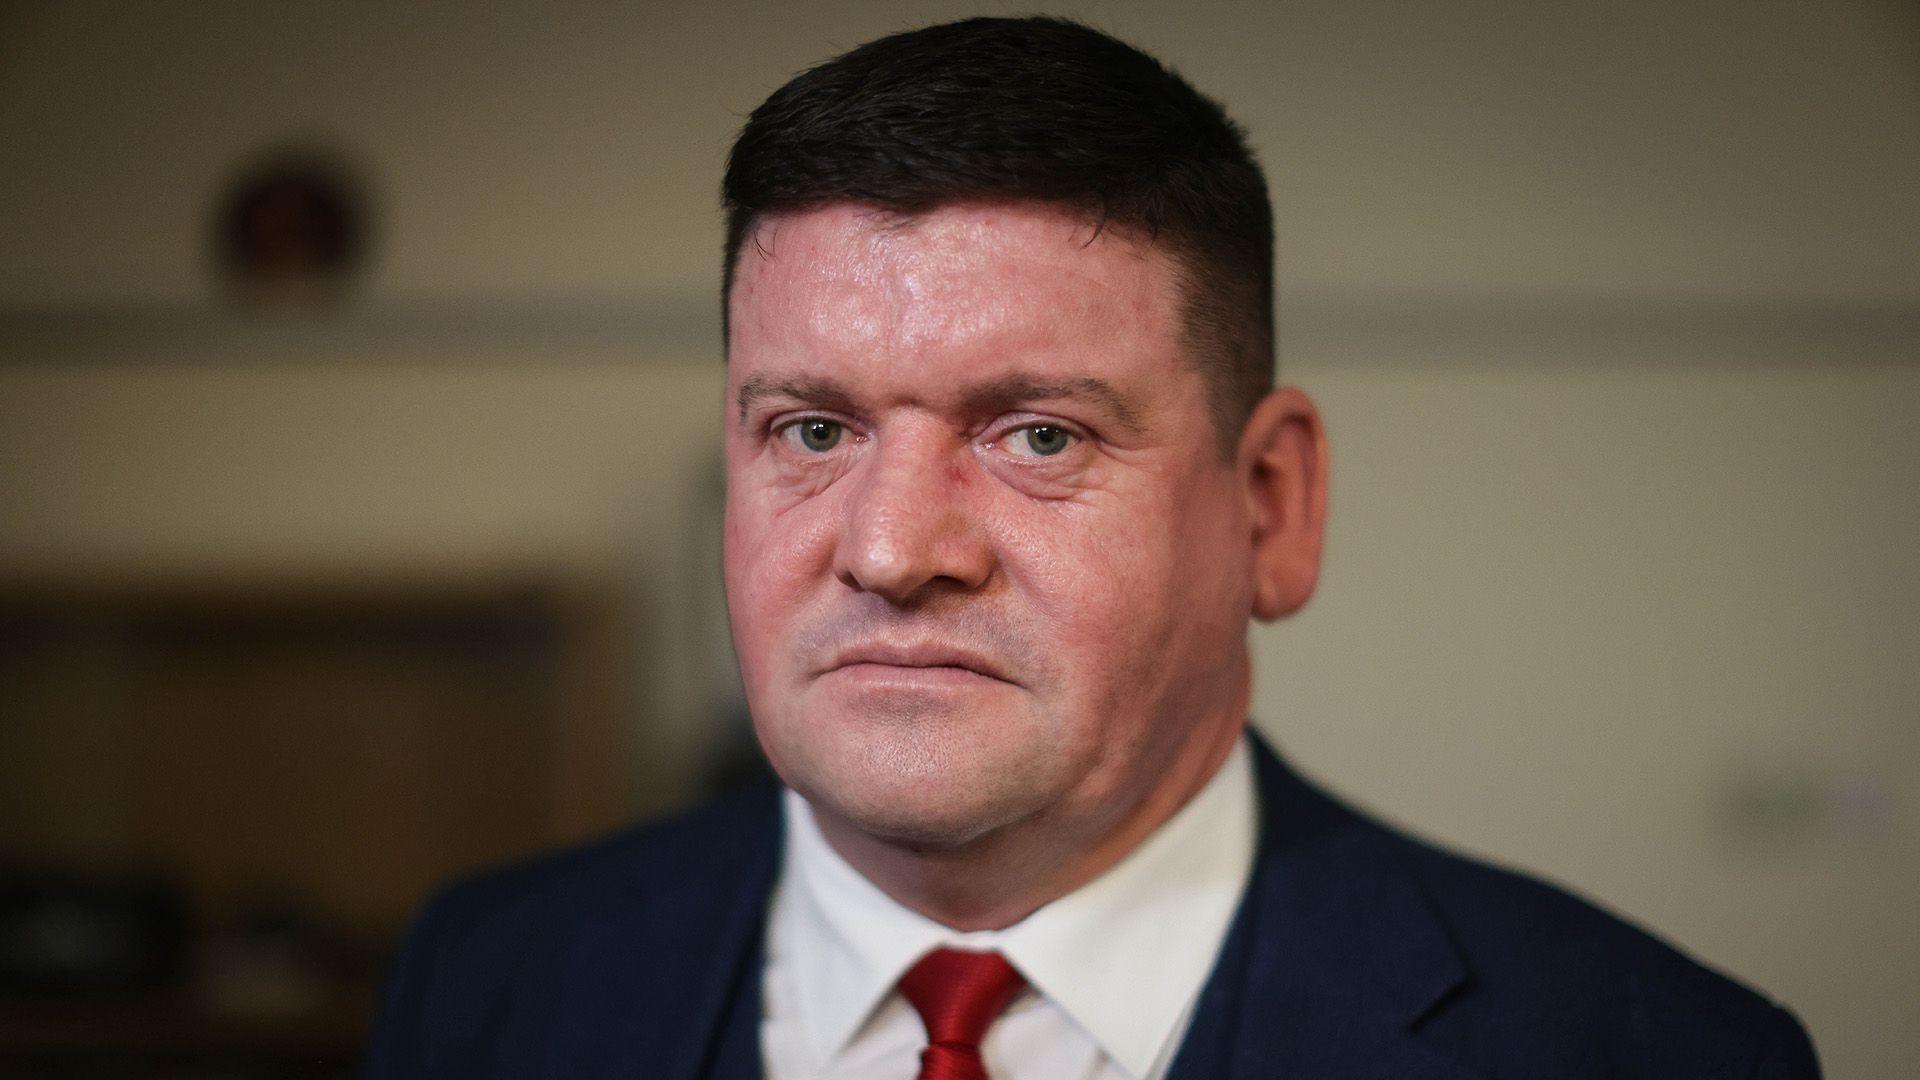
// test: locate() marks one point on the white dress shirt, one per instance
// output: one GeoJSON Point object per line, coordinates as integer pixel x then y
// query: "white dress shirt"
{"type": "Point", "coordinates": [1113, 968]}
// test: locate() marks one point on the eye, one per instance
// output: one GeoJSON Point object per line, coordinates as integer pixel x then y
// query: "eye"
{"type": "Point", "coordinates": [813, 434]}
{"type": "Point", "coordinates": [1039, 440]}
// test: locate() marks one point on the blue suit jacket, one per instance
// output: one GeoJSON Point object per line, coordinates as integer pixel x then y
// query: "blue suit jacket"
{"type": "Point", "coordinates": [1356, 952]}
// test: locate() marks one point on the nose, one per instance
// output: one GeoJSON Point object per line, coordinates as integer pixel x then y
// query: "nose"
{"type": "Point", "coordinates": [909, 530]}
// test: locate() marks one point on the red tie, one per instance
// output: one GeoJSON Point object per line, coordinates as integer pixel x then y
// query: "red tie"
{"type": "Point", "coordinates": [958, 995]}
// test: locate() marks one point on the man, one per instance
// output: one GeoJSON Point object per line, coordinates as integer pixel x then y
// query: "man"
{"type": "Point", "coordinates": [1007, 478]}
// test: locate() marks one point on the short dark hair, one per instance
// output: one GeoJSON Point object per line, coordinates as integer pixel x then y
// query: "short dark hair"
{"type": "Point", "coordinates": [1033, 109]}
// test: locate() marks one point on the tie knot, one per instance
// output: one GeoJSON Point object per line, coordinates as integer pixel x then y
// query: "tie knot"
{"type": "Point", "coordinates": [958, 994]}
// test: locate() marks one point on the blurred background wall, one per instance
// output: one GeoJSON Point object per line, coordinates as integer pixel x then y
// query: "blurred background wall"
{"type": "Point", "coordinates": [1614, 312]}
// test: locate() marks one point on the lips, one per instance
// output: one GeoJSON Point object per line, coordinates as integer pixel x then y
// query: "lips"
{"type": "Point", "coordinates": [930, 657]}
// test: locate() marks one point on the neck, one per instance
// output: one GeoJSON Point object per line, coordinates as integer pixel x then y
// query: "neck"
{"type": "Point", "coordinates": [998, 879]}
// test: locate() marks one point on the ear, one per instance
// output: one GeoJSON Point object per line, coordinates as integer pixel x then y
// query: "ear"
{"type": "Point", "coordinates": [1282, 468]}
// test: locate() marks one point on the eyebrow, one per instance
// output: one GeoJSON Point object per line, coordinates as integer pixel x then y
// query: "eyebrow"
{"type": "Point", "coordinates": [811, 389]}
{"type": "Point", "coordinates": [1008, 391]}
{"type": "Point", "coordinates": [995, 396]}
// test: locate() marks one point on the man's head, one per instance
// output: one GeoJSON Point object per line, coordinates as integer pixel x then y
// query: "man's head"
{"type": "Point", "coordinates": [987, 565]}
{"type": "Point", "coordinates": [1043, 110]}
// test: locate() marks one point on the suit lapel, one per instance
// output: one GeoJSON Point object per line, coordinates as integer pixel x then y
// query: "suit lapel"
{"type": "Point", "coordinates": [1332, 959]}
{"type": "Point", "coordinates": [665, 982]}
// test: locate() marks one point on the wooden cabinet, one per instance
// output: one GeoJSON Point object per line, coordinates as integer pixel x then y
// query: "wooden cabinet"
{"type": "Point", "coordinates": [299, 763]}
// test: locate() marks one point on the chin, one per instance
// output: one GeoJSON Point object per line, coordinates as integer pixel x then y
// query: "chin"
{"type": "Point", "coordinates": [917, 784]}
{"type": "Point", "coordinates": [926, 820]}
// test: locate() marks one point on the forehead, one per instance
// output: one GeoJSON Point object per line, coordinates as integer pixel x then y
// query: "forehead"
{"type": "Point", "coordinates": [995, 283]}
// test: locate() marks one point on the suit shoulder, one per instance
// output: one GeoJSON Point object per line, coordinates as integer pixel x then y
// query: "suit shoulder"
{"type": "Point", "coordinates": [710, 841]}
{"type": "Point", "coordinates": [483, 968]}
{"type": "Point", "coordinates": [1506, 919]}
{"type": "Point", "coordinates": [1539, 955]}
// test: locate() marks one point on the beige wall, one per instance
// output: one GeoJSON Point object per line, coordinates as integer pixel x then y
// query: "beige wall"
{"type": "Point", "coordinates": [1614, 315]}
{"type": "Point", "coordinates": [1641, 147]}
{"type": "Point", "coordinates": [1643, 619]}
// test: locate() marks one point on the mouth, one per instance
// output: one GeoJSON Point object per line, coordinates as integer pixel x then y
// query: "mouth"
{"type": "Point", "coordinates": [922, 663]}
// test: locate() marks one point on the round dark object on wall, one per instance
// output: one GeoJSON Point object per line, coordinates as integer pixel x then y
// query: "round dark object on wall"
{"type": "Point", "coordinates": [293, 229]}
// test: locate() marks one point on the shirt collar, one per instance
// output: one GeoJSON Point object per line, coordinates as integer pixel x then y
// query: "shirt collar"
{"type": "Point", "coordinates": [1102, 953]}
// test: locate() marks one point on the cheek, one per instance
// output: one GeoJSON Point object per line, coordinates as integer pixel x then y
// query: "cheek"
{"type": "Point", "coordinates": [1099, 580]}
{"type": "Point", "coordinates": [1127, 591]}
{"type": "Point", "coordinates": [775, 555]}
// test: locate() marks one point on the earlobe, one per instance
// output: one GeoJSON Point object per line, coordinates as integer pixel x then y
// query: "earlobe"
{"type": "Point", "coordinates": [1282, 464]}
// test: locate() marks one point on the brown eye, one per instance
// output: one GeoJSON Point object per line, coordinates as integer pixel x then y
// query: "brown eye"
{"type": "Point", "coordinates": [1040, 440]}
{"type": "Point", "coordinates": [814, 435]}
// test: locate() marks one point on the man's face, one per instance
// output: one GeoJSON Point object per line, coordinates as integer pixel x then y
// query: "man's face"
{"type": "Point", "coordinates": [984, 562]}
